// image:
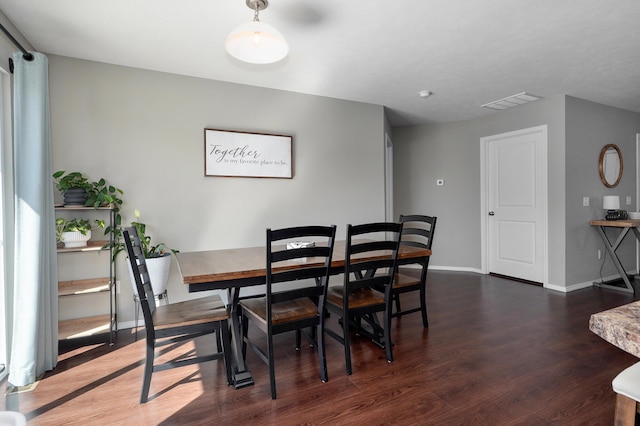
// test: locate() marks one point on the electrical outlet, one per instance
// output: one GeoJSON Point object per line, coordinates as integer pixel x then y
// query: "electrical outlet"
{"type": "Point", "coordinates": [628, 200]}
{"type": "Point", "coordinates": [585, 201]}
{"type": "Point", "coordinates": [599, 254]}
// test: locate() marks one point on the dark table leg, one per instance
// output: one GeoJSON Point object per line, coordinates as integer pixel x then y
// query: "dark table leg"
{"type": "Point", "coordinates": [241, 375]}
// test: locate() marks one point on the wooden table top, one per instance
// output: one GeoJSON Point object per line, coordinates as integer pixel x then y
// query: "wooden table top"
{"type": "Point", "coordinates": [232, 264]}
{"type": "Point", "coordinates": [627, 223]}
{"type": "Point", "coordinates": [619, 326]}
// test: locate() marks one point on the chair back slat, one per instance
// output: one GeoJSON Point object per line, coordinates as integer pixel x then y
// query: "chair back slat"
{"type": "Point", "coordinates": [418, 230]}
{"type": "Point", "coordinates": [382, 254]}
{"type": "Point", "coordinates": [299, 253]}
{"type": "Point", "coordinates": [283, 265]}
{"type": "Point", "coordinates": [140, 274]}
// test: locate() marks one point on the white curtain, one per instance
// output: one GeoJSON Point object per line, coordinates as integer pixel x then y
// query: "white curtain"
{"type": "Point", "coordinates": [34, 343]}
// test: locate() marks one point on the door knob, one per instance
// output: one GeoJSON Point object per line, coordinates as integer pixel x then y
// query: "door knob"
{"type": "Point", "coordinates": [491, 214]}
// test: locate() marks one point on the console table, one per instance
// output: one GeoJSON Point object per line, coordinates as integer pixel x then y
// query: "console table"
{"type": "Point", "coordinates": [624, 226]}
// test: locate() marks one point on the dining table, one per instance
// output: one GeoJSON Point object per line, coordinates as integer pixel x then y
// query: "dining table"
{"type": "Point", "coordinates": [231, 270]}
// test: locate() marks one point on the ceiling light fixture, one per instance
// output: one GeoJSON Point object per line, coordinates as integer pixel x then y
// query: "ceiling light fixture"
{"type": "Point", "coordinates": [256, 42]}
{"type": "Point", "coordinates": [511, 101]}
{"type": "Point", "coordinates": [424, 94]}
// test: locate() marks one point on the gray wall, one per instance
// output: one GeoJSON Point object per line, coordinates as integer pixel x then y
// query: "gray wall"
{"type": "Point", "coordinates": [590, 126]}
{"type": "Point", "coordinates": [143, 132]}
{"type": "Point", "coordinates": [577, 130]}
{"type": "Point", "coordinates": [451, 151]}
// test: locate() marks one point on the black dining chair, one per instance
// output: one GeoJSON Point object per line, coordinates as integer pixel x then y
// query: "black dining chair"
{"type": "Point", "coordinates": [285, 307]}
{"type": "Point", "coordinates": [176, 322]}
{"type": "Point", "coordinates": [417, 231]}
{"type": "Point", "coordinates": [356, 300]}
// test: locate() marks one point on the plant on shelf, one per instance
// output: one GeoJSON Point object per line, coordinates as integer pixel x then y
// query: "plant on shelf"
{"type": "Point", "coordinates": [97, 194]}
{"type": "Point", "coordinates": [75, 232]}
{"type": "Point", "coordinates": [74, 187]}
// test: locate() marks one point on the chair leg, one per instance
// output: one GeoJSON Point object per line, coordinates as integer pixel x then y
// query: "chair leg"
{"type": "Point", "coordinates": [625, 411]}
{"type": "Point", "coordinates": [226, 348]}
{"type": "Point", "coordinates": [298, 339]}
{"type": "Point", "coordinates": [321, 353]}
{"type": "Point", "coordinates": [387, 333]}
{"type": "Point", "coordinates": [347, 342]}
{"type": "Point", "coordinates": [244, 323]}
{"type": "Point", "coordinates": [423, 306]}
{"type": "Point", "coordinates": [219, 346]}
{"type": "Point", "coordinates": [396, 297]}
{"type": "Point", "coordinates": [272, 369]}
{"type": "Point", "coordinates": [148, 370]}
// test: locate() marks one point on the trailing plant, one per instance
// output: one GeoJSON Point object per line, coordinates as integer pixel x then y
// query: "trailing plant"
{"type": "Point", "coordinates": [75, 225]}
{"type": "Point", "coordinates": [149, 250]}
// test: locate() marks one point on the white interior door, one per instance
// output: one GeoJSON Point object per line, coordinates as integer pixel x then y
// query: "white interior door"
{"type": "Point", "coordinates": [516, 203]}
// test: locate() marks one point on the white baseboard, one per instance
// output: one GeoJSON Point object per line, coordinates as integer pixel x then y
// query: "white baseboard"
{"type": "Point", "coordinates": [455, 269]}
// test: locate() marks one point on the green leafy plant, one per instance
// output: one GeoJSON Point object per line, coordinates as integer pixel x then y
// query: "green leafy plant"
{"type": "Point", "coordinates": [65, 181]}
{"type": "Point", "coordinates": [149, 250]}
{"type": "Point", "coordinates": [75, 225]}
{"type": "Point", "coordinates": [99, 194]}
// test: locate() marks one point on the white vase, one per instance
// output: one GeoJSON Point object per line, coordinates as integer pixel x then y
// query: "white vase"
{"type": "Point", "coordinates": [158, 268]}
{"type": "Point", "coordinates": [75, 239]}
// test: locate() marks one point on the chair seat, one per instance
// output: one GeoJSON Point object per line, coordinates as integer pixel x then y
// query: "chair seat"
{"type": "Point", "coordinates": [190, 312]}
{"type": "Point", "coordinates": [357, 299]}
{"type": "Point", "coordinates": [627, 383]}
{"type": "Point", "coordinates": [286, 311]}
{"type": "Point", "coordinates": [401, 280]}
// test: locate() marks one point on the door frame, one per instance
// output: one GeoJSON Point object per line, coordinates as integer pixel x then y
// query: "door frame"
{"type": "Point", "coordinates": [388, 178]}
{"type": "Point", "coordinates": [637, 195]}
{"type": "Point", "coordinates": [484, 197]}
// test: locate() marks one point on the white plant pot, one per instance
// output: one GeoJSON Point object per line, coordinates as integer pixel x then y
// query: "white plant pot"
{"type": "Point", "coordinates": [159, 268]}
{"type": "Point", "coordinates": [75, 239]}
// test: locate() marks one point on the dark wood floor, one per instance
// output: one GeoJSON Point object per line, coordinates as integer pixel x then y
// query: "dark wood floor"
{"type": "Point", "coordinates": [496, 353]}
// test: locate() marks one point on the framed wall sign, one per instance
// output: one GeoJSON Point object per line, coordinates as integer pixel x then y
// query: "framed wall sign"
{"type": "Point", "coordinates": [242, 154]}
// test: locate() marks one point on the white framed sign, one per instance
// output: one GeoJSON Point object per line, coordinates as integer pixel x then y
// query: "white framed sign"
{"type": "Point", "coordinates": [240, 154]}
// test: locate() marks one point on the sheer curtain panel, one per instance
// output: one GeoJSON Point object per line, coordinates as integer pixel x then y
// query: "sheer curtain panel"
{"type": "Point", "coordinates": [34, 345]}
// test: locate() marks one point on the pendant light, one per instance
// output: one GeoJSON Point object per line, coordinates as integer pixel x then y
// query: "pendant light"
{"type": "Point", "coordinates": [256, 42]}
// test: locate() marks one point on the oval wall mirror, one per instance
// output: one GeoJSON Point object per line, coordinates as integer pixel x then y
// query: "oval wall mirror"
{"type": "Point", "coordinates": [610, 165]}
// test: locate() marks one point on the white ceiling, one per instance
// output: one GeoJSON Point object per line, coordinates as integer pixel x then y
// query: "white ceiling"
{"type": "Point", "coordinates": [467, 52]}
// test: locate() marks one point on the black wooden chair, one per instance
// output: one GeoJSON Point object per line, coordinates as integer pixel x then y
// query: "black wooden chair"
{"type": "Point", "coordinates": [356, 300]}
{"type": "Point", "coordinates": [417, 231]}
{"type": "Point", "coordinates": [285, 307]}
{"type": "Point", "coordinates": [175, 322]}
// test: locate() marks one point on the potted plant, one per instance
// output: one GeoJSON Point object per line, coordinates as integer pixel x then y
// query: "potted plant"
{"type": "Point", "coordinates": [73, 186]}
{"type": "Point", "coordinates": [94, 194]}
{"type": "Point", "coordinates": [157, 258]}
{"type": "Point", "coordinates": [75, 232]}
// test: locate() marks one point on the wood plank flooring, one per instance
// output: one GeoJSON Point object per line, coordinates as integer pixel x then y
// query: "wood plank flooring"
{"type": "Point", "coordinates": [497, 352]}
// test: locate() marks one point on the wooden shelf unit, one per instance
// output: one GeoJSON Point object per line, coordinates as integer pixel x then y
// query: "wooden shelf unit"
{"type": "Point", "coordinates": [84, 327]}
{"type": "Point", "coordinates": [95, 286]}
{"type": "Point", "coordinates": [75, 287]}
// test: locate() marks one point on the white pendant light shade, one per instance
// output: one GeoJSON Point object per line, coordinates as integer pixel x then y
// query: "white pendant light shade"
{"type": "Point", "coordinates": [257, 43]}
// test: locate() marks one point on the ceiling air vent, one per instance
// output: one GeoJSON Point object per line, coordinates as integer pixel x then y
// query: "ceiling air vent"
{"type": "Point", "coordinates": [511, 101]}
